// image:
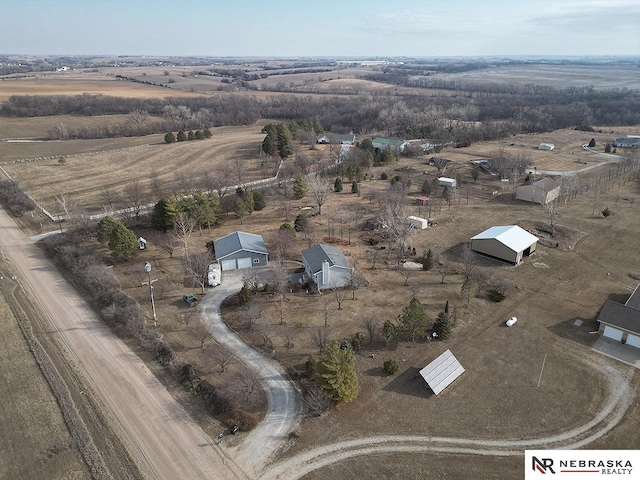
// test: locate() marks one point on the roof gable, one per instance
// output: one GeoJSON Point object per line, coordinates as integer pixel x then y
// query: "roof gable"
{"type": "Point", "coordinates": [315, 256]}
{"type": "Point", "coordinates": [236, 241]}
{"type": "Point", "coordinates": [621, 316]}
{"type": "Point", "coordinates": [512, 236]}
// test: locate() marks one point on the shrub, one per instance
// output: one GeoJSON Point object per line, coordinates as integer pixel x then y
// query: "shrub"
{"type": "Point", "coordinates": [606, 212]}
{"type": "Point", "coordinates": [311, 366]}
{"type": "Point", "coordinates": [245, 421]}
{"type": "Point", "coordinates": [164, 353]}
{"type": "Point", "coordinates": [391, 367]}
{"type": "Point", "coordinates": [496, 295]}
{"type": "Point", "coordinates": [188, 375]}
{"type": "Point", "coordinates": [356, 342]}
{"type": "Point", "coordinates": [384, 176]}
{"type": "Point", "coordinates": [170, 137]}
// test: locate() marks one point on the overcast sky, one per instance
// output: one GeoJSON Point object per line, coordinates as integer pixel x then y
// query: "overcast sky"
{"type": "Point", "coordinates": [320, 28]}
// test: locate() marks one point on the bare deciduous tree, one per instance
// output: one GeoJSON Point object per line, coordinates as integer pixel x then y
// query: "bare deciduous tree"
{"type": "Point", "coordinates": [197, 268]}
{"type": "Point", "coordinates": [340, 296]}
{"type": "Point", "coordinates": [320, 338]}
{"type": "Point", "coordinates": [135, 198]}
{"type": "Point", "coordinates": [221, 355]}
{"type": "Point", "coordinates": [468, 258]}
{"type": "Point", "coordinates": [250, 315]}
{"type": "Point", "coordinates": [263, 328]}
{"type": "Point", "coordinates": [444, 269]}
{"type": "Point", "coordinates": [183, 229]}
{"type": "Point", "coordinates": [201, 333]}
{"type": "Point", "coordinates": [371, 324]}
{"type": "Point", "coordinates": [288, 334]}
{"type": "Point", "coordinates": [139, 118]}
{"type": "Point", "coordinates": [109, 198]}
{"type": "Point", "coordinates": [324, 310]}
{"type": "Point", "coordinates": [246, 387]}
{"type": "Point", "coordinates": [317, 401]}
{"type": "Point", "coordinates": [280, 310]}
{"type": "Point", "coordinates": [320, 188]}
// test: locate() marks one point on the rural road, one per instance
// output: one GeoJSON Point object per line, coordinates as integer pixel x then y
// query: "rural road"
{"type": "Point", "coordinates": [162, 438]}
{"type": "Point", "coordinates": [284, 403]}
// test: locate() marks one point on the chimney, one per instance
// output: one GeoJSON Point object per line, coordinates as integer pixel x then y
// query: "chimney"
{"type": "Point", "coordinates": [325, 272]}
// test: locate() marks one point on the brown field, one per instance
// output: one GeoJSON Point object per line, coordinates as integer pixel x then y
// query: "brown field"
{"type": "Point", "coordinates": [557, 76]}
{"type": "Point", "coordinates": [83, 176]}
{"type": "Point", "coordinates": [35, 441]}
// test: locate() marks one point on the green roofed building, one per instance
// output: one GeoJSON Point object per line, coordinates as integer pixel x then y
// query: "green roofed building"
{"type": "Point", "coordinates": [382, 143]}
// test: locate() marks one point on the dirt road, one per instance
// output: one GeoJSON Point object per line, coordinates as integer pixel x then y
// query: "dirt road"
{"type": "Point", "coordinates": [284, 406]}
{"type": "Point", "coordinates": [164, 440]}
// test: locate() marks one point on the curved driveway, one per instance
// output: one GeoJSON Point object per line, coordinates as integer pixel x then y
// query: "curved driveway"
{"type": "Point", "coordinates": [284, 405]}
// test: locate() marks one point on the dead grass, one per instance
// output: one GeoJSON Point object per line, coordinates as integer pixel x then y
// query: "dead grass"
{"type": "Point", "coordinates": [37, 443]}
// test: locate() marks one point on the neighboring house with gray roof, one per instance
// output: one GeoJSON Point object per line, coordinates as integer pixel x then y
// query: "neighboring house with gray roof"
{"type": "Point", "coordinates": [622, 322]}
{"type": "Point", "coordinates": [382, 143]}
{"type": "Point", "coordinates": [542, 191]}
{"type": "Point", "coordinates": [630, 141]}
{"type": "Point", "coordinates": [327, 266]}
{"type": "Point", "coordinates": [344, 139]}
{"type": "Point", "coordinates": [240, 250]}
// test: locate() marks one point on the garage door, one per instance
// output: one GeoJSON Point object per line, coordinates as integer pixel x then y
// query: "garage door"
{"type": "Point", "coordinates": [228, 264]}
{"type": "Point", "coordinates": [633, 340]}
{"type": "Point", "coordinates": [613, 333]}
{"type": "Point", "coordinates": [244, 262]}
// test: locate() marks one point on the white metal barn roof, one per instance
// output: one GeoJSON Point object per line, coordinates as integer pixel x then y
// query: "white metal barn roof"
{"type": "Point", "coordinates": [514, 237]}
{"type": "Point", "coordinates": [442, 371]}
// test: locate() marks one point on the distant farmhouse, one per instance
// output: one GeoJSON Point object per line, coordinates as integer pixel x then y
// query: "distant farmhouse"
{"type": "Point", "coordinates": [396, 145]}
{"type": "Point", "coordinates": [336, 138]}
{"type": "Point", "coordinates": [240, 250]}
{"type": "Point", "coordinates": [622, 322]}
{"type": "Point", "coordinates": [508, 243]}
{"type": "Point", "coordinates": [630, 141]}
{"type": "Point", "coordinates": [541, 191]}
{"type": "Point", "coordinates": [326, 266]}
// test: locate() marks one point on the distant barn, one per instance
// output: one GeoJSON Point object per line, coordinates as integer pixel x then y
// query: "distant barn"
{"type": "Point", "coordinates": [509, 243]}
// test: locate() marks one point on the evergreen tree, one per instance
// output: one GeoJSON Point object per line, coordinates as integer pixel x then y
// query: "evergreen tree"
{"type": "Point", "coordinates": [181, 137]}
{"type": "Point", "coordinates": [123, 243]}
{"type": "Point", "coordinates": [207, 133]}
{"type": "Point", "coordinates": [337, 185]}
{"type": "Point", "coordinates": [170, 137]}
{"type": "Point", "coordinates": [607, 148]}
{"type": "Point", "coordinates": [160, 219]}
{"type": "Point", "coordinates": [199, 135]}
{"type": "Point", "coordinates": [442, 326]}
{"type": "Point", "coordinates": [104, 228]}
{"type": "Point", "coordinates": [354, 187]}
{"type": "Point", "coordinates": [244, 296]}
{"type": "Point", "coordinates": [300, 223]}
{"type": "Point", "coordinates": [387, 155]}
{"type": "Point", "coordinates": [413, 320]}
{"type": "Point", "coordinates": [389, 332]}
{"type": "Point", "coordinates": [191, 135]}
{"type": "Point", "coordinates": [285, 141]}
{"type": "Point", "coordinates": [299, 187]}
{"type": "Point", "coordinates": [427, 260]}
{"type": "Point", "coordinates": [267, 145]}
{"type": "Point", "coordinates": [336, 373]}
{"type": "Point", "coordinates": [592, 143]}
{"type": "Point", "coordinates": [259, 203]}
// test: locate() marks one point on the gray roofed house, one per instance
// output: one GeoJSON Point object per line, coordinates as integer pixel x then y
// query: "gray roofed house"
{"type": "Point", "coordinates": [630, 141]}
{"type": "Point", "coordinates": [240, 250]}
{"type": "Point", "coordinates": [344, 139]}
{"type": "Point", "coordinates": [622, 322]}
{"type": "Point", "coordinates": [327, 266]}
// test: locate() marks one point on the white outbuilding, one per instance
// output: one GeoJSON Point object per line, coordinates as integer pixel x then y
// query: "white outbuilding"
{"type": "Point", "coordinates": [546, 146]}
{"type": "Point", "coordinates": [508, 243]}
{"type": "Point", "coordinates": [440, 373]}
{"type": "Point", "coordinates": [542, 191]}
{"type": "Point", "coordinates": [447, 182]}
{"type": "Point", "coordinates": [418, 223]}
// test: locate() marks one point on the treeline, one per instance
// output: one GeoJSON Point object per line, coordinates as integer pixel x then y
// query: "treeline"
{"type": "Point", "coordinates": [15, 199]}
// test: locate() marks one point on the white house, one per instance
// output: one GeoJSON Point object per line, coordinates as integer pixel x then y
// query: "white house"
{"type": "Point", "coordinates": [546, 146]}
{"type": "Point", "coordinates": [622, 322]}
{"type": "Point", "coordinates": [542, 191]}
{"type": "Point", "coordinates": [418, 223]}
{"type": "Point", "coordinates": [327, 266]}
{"type": "Point", "coordinates": [447, 182]}
{"type": "Point", "coordinates": [240, 250]}
{"type": "Point", "coordinates": [336, 138]}
{"type": "Point", "coordinates": [382, 143]}
{"type": "Point", "coordinates": [630, 141]}
{"type": "Point", "coordinates": [509, 243]}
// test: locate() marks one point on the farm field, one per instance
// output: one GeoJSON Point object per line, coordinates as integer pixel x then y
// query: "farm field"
{"type": "Point", "coordinates": [34, 439]}
{"type": "Point", "coordinates": [557, 76]}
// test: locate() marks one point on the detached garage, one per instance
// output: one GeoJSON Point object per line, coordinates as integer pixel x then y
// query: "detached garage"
{"type": "Point", "coordinates": [508, 243]}
{"type": "Point", "coordinates": [622, 322]}
{"type": "Point", "coordinates": [240, 250]}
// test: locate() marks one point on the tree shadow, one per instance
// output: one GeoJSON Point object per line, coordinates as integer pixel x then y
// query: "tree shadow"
{"type": "Point", "coordinates": [376, 372]}
{"type": "Point", "coordinates": [409, 382]}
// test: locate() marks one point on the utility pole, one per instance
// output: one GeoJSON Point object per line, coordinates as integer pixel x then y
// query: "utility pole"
{"type": "Point", "coordinates": [147, 268]}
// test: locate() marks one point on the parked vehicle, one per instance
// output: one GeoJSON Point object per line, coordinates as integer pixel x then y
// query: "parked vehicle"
{"type": "Point", "coordinates": [190, 300]}
{"type": "Point", "coordinates": [511, 322]}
